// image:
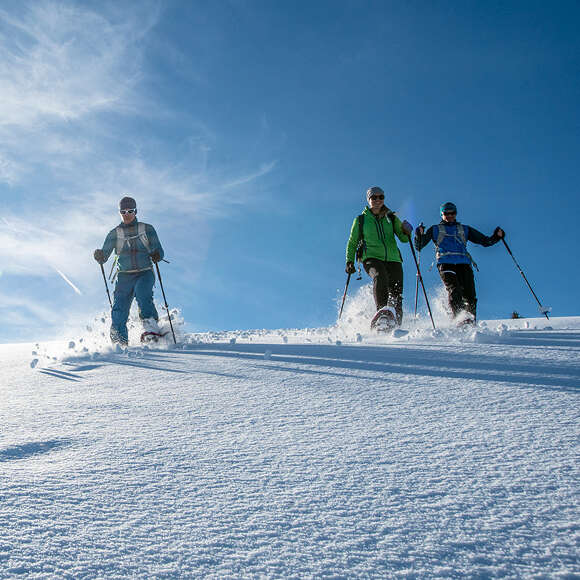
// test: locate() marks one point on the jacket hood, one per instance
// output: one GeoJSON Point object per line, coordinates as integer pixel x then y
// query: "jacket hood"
{"type": "Point", "coordinates": [383, 212]}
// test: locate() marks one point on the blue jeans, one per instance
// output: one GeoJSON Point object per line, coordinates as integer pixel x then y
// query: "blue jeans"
{"type": "Point", "coordinates": [140, 286]}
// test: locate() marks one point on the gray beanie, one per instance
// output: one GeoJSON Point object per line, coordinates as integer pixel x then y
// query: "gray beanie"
{"type": "Point", "coordinates": [127, 203]}
{"type": "Point", "coordinates": [374, 191]}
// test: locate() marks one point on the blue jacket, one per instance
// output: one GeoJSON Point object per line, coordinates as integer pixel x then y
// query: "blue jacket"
{"type": "Point", "coordinates": [133, 244]}
{"type": "Point", "coordinates": [451, 241]}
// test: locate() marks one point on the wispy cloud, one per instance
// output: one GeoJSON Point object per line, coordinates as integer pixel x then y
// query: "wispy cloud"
{"type": "Point", "coordinates": [264, 169]}
{"type": "Point", "coordinates": [60, 65]}
{"type": "Point", "coordinates": [62, 61]}
{"type": "Point", "coordinates": [10, 170]}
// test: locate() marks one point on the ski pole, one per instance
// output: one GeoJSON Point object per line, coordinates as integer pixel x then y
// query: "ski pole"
{"type": "Point", "coordinates": [543, 310]}
{"type": "Point", "coordinates": [422, 284]}
{"type": "Point", "coordinates": [106, 285]}
{"type": "Point", "coordinates": [344, 296]}
{"type": "Point", "coordinates": [417, 281]}
{"type": "Point", "coordinates": [417, 284]}
{"type": "Point", "coordinates": [165, 300]}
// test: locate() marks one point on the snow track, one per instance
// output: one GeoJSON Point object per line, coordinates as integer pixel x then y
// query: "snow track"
{"type": "Point", "coordinates": [422, 459]}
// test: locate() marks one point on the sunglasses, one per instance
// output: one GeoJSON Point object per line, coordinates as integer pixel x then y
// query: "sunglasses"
{"type": "Point", "coordinates": [449, 213]}
{"type": "Point", "coordinates": [127, 211]}
{"type": "Point", "coordinates": [375, 197]}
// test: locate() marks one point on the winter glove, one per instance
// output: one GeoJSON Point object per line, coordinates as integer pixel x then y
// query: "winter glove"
{"type": "Point", "coordinates": [99, 256]}
{"type": "Point", "coordinates": [155, 256]}
{"type": "Point", "coordinates": [498, 233]}
{"type": "Point", "coordinates": [407, 228]}
{"type": "Point", "coordinates": [350, 268]}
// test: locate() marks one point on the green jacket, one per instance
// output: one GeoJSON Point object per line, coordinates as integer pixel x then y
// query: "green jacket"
{"type": "Point", "coordinates": [379, 237]}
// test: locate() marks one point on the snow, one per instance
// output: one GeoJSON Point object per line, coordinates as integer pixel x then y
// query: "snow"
{"type": "Point", "coordinates": [327, 453]}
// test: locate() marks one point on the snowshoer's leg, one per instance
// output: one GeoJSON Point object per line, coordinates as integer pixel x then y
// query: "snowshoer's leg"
{"type": "Point", "coordinates": [144, 295]}
{"type": "Point", "coordinates": [465, 273]}
{"type": "Point", "coordinates": [123, 297]}
{"type": "Point", "coordinates": [377, 270]}
{"type": "Point", "coordinates": [395, 284]}
{"type": "Point", "coordinates": [448, 273]}
{"type": "Point", "coordinates": [387, 280]}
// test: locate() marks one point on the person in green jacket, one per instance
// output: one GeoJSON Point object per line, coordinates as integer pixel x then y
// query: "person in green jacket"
{"type": "Point", "coordinates": [372, 242]}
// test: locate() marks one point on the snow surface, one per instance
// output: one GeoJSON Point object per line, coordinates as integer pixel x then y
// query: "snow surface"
{"type": "Point", "coordinates": [326, 453]}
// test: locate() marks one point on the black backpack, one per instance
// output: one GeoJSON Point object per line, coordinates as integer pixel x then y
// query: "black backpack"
{"type": "Point", "coordinates": [361, 247]}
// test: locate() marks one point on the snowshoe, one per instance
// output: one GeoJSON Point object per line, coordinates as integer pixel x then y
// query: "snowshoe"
{"type": "Point", "coordinates": [118, 340]}
{"type": "Point", "coordinates": [150, 336]}
{"type": "Point", "coordinates": [465, 319]}
{"type": "Point", "coordinates": [384, 320]}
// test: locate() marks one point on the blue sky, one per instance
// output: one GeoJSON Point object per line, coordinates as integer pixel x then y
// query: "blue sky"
{"type": "Point", "coordinates": [248, 131]}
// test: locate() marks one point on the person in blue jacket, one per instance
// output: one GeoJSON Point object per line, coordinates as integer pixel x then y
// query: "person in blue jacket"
{"type": "Point", "coordinates": [453, 260]}
{"type": "Point", "coordinates": [137, 248]}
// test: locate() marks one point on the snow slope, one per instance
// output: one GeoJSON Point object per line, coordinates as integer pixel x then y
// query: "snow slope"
{"type": "Point", "coordinates": [293, 454]}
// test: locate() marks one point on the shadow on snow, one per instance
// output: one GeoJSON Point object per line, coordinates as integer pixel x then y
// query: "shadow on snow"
{"type": "Point", "coordinates": [32, 449]}
{"type": "Point", "coordinates": [410, 360]}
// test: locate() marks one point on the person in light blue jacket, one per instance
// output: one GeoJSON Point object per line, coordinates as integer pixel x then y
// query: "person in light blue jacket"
{"type": "Point", "coordinates": [137, 248]}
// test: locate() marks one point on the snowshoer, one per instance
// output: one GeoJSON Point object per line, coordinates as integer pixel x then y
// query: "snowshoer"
{"type": "Point", "coordinates": [137, 247]}
{"type": "Point", "coordinates": [372, 242]}
{"type": "Point", "coordinates": [454, 261]}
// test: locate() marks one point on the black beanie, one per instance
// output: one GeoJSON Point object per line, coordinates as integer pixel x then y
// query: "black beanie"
{"type": "Point", "coordinates": [127, 203]}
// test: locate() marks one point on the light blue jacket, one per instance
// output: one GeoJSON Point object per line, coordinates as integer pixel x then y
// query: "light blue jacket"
{"type": "Point", "coordinates": [133, 243]}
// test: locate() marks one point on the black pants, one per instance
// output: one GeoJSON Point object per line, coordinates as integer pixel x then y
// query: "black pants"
{"type": "Point", "coordinates": [460, 286]}
{"type": "Point", "coordinates": [387, 284]}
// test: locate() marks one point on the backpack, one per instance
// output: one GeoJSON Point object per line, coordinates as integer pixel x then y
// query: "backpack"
{"type": "Point", "coordinates": [362, 246]}
{"type": "Point", "coordinates": [123, 239]}
{"type": "Point", "coordinates": [442, 233]}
